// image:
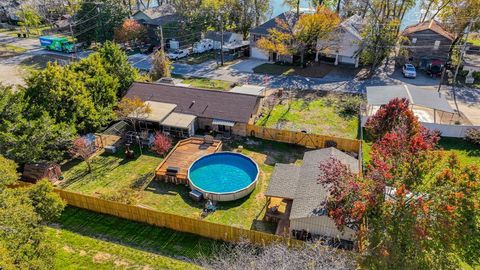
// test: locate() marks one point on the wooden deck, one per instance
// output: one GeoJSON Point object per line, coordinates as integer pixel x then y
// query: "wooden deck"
{"type": "Point", "coordinates": [182, 156]}
{"type": "Point", "coordinates": [281, 216]}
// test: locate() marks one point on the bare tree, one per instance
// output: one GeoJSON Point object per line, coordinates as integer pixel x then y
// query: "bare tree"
{"type": "Point", "coordinates": [245, 256]}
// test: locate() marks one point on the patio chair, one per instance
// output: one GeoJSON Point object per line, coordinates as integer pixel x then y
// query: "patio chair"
{"type": "Point", "coordinates": [208, 139]}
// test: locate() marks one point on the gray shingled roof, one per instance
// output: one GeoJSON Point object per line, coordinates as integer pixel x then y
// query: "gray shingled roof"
{"type": "Point", "coordinates": [217, 36]}
{"type": "Point", "coordinates": [283, 181]}
{"type": "Point", "coordinates": [306, 192]}
{"type": "Point", "coordinates": [272, 23]}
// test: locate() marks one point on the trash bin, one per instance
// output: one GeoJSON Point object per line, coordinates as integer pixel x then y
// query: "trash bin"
{"type": "Point", "coordinates": [19, 35]}
{"type": "Point", "coordinates": [24, 35]}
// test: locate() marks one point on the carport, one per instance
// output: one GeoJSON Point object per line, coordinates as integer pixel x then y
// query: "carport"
{"type": "Point", "coordinates": [419, 99]}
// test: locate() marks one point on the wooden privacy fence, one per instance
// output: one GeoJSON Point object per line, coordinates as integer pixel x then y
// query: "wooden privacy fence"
{"type": "Point", "coordinates": [175, 222]}
{"type": "Point", "coordinates": [304, 139]}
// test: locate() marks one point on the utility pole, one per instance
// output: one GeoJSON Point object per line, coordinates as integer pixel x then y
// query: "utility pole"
{"type": "Point", "coordinates": [460, 60]}
{"type": "Point", "coordinates": [221, 43]}
{"type": "Point", "coordinates": [161, 38]}
{"type": "Point", "coordinates": [73, 38]}
{"type": "Point", "coordinates": [101, 21]}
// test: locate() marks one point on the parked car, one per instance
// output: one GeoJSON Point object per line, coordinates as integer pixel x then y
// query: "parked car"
{"type": "Point", "coordinates": [177, 54]}
{"type": "Point", "coordinates": [409, 71]}
{"type": "Point", "coordinates": [435, 68]}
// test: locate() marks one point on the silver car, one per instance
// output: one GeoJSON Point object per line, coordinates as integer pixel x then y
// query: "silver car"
{"type": "Point", "coordinates": [409, 71]}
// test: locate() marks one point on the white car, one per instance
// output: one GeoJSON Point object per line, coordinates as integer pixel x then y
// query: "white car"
{"type": "Point", "coordinates": [409, 71]}
{"type": "Point", "coordinates": [177, 54]}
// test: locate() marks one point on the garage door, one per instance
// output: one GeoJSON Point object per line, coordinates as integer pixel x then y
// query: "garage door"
{"type": "Point", "coordinates": [258, 53]}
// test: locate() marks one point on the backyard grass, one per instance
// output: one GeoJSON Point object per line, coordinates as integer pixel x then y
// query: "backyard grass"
{"type": "Point", "coordinates": [318, 115]}
{"type": "Point", "coordinates": [87, 240]}
{"type": "Point", "coordinates": [111, 173]}
{"type": "Point", "coordinates": [468, 153]}
{"type": "Point", "coordinates": [208, 83]}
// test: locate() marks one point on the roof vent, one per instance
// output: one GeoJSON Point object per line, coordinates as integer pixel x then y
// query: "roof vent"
{"type": "Point", "coordinates": [191, 104]}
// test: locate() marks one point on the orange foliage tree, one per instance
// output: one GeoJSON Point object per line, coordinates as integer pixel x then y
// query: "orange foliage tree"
{"type": "Point", "coordinates": [299, 35]}
{"type": "Point", "coordinates": [130, 31]}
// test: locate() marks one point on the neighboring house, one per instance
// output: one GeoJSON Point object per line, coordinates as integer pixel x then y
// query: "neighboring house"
{"type": "Point", "coordinates": [154, 18]}
{"type": "Point", "coordinates": [185, 109]}
{"type": "Point", "coordinates": [471, 63]}
{"type": "Point", "coordinates": [263, 31]}
{"type": "Point", "coordinates": [345, 47]}
{"type": "Point", "coordinates": [298, 188]}
{"type": "Point", "coordinates": [428, 41]}
{"type": "Point", "coordinates": [228, 38]}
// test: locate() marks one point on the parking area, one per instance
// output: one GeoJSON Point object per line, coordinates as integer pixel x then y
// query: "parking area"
{"type": "Point", "coordinates": [246, 65]}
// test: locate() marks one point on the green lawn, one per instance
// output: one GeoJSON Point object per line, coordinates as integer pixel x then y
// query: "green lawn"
{"type": "Point", "coordinates": [87, 240]}
{"type": "Point", "coordinates": [208, 83]}
{"type": "Point", "coordinates": [467, 152]}
{"type": "Point", "coordinates": [195, 59]}
{"type": "Point", "coordinates": [318, 115]}
{"type": "Point", "coordinates": [109, 172]}
{"type": "Point", "coordinates": [112, 172]}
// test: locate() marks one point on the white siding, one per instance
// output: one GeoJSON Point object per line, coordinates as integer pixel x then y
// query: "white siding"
{"type": "Point", "coordinates": [258, 53]}
{"type": "Point", "coordinates": [322, 225]}
{"type": "Point", "coordinates": [347, 45]}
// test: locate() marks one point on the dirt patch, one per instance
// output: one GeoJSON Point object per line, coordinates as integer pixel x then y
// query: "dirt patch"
{"type": "Point", "coordinates": [101, 257]}
{"type": "Point", "coordinates": [121, 263]}
{"type": "Point", "coordinates": [82, 252]}
{"type": "Point", "coordinates": [68, 249]}
{"type": "Point", "coordinates": [41, 61]}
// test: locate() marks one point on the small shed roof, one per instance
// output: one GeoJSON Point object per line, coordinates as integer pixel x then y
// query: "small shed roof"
{"type": "Point", "coordinates": [300, 183]}
{"type": "Point", "coordinates": [380, 95]}
{"type": "Point", "coordinates": [248, 89]}
{"type": "Point", "coordinates": [159, 111]}
{"type": "Point", "coordinates": [179, 120]}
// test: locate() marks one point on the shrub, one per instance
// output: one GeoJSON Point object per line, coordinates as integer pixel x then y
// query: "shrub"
{"type": "Point", "coordinates": [473, 135]}
{"type": "Point", "coordinates": [349, 105]}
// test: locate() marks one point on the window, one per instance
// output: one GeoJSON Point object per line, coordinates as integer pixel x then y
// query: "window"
{"type": "Point", "coordinates": [414, 40]}
{"type": "Point", "coordinates": [436, 45]}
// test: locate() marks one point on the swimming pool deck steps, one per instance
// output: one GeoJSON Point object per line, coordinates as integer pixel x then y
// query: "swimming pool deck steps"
{"type": "Point", "coordinates": [182, 156]}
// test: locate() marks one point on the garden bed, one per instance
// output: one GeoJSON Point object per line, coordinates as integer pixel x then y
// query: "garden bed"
{"type": "Point", "coordinates": [118, 179]}
{"type": "Point", "coordinates": [313, 113]}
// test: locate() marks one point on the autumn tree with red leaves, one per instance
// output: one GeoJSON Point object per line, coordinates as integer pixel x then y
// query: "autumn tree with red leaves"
{"type": "Point", "coordinates": [415, 207]}
{"type": "Point", "coordinates": [82, 148]}
{"type": "Point", "coordinates": [161, 144]}
{"type": "Point", "coordinates": [130, 31]}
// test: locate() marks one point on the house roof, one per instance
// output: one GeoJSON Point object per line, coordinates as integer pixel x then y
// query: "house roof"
{"type": "Point", "coordinates": [217, 36]}
{"type": "Point", "coordinates": [272, 23]}
{"type": "Point", "coordinates": [300, 183]}
{"type": "Point", "coordinates": [159, 111]}
{"type": "Point", "coordinates": [178, 120]}
{"type": "Point", "coordinates": [380, 95]}
{"type": "Point", "coordinates": [428, 25]}
{"type": "Point", "coordinates": [157, 12]}
{"type": "Point", "coordinates": [354, 25]}
{"type": "Point", "coordinates": [199, 102]}
{"type": "Point", "coordinates": [249, 90]}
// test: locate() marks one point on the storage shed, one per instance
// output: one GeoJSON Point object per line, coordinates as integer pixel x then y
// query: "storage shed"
{"type": "Point", "coordinates": [33, 172]}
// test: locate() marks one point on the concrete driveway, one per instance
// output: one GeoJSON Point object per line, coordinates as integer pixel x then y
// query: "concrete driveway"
{"type": "Point", "coordinates": [246, 65]}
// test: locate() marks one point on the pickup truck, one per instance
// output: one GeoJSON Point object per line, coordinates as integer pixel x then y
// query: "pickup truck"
{"type": "Point", "coordinates": [177, 54]}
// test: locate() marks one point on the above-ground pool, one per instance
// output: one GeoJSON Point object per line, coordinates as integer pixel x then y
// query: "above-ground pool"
{"type": "Point", "coordinates": [223, 176]}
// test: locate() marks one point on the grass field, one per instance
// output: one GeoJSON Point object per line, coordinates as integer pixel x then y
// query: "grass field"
{"type": "Point", "coordinates": [467, 152]}
{"type": "Point", "coordinates": [87, 240]}
{"type": "Point", "coordinates": [314, 71]}
{"type": "Point", "coordinates": [38, 62]}
{"type": "Point", "coordinates": [7, 50]}
{"type": "Point", "coordinates": [318, 115]}
{"type": "Point", "coordinates": [208, 83]}
{"type": "Point", "coordinates": [112, 173]}
{"type": "Point", "coordinates": [109, 172]}
{"type": "Point", "coordinates": [195, 59]}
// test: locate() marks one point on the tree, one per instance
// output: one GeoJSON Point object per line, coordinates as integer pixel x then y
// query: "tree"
{"type": "Point", "coordinates": [161, 144]}
{"type": "Point", "coordinates": [82, 148]}
{"type": "Point", "coordinates": [130, 31]}
{"type": "Point", "coordinates": [29, 17]}
{"type": "Point", "coordinates": [8, 172]}
{"type": "Point", "coordinates": [108, 14]}
{"type": "Point", "coordinates": [23, 212]}
{"type": "Point", "coordinates": [278, 256]}
{"type": "Point", "coordinates": [161, 66]}
{"type": "Point", "coordinates": [115, 62]}
{"type": "Point", "coordinates": [26, 139]}
{"type": "Point", "coordinates": [59, 92]}
{"type": "Point", "coordinates": [300, 36]}
{"type": "Point", "coordinates": [131, 109]}
{"type": "Point", "coordinates": [391, 116]}
{"type": "Point", "coordinates": [413, 207]}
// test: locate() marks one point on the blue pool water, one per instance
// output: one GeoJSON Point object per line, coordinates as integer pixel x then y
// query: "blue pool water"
{"type": "Point", "coordinates": [223, 172]}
